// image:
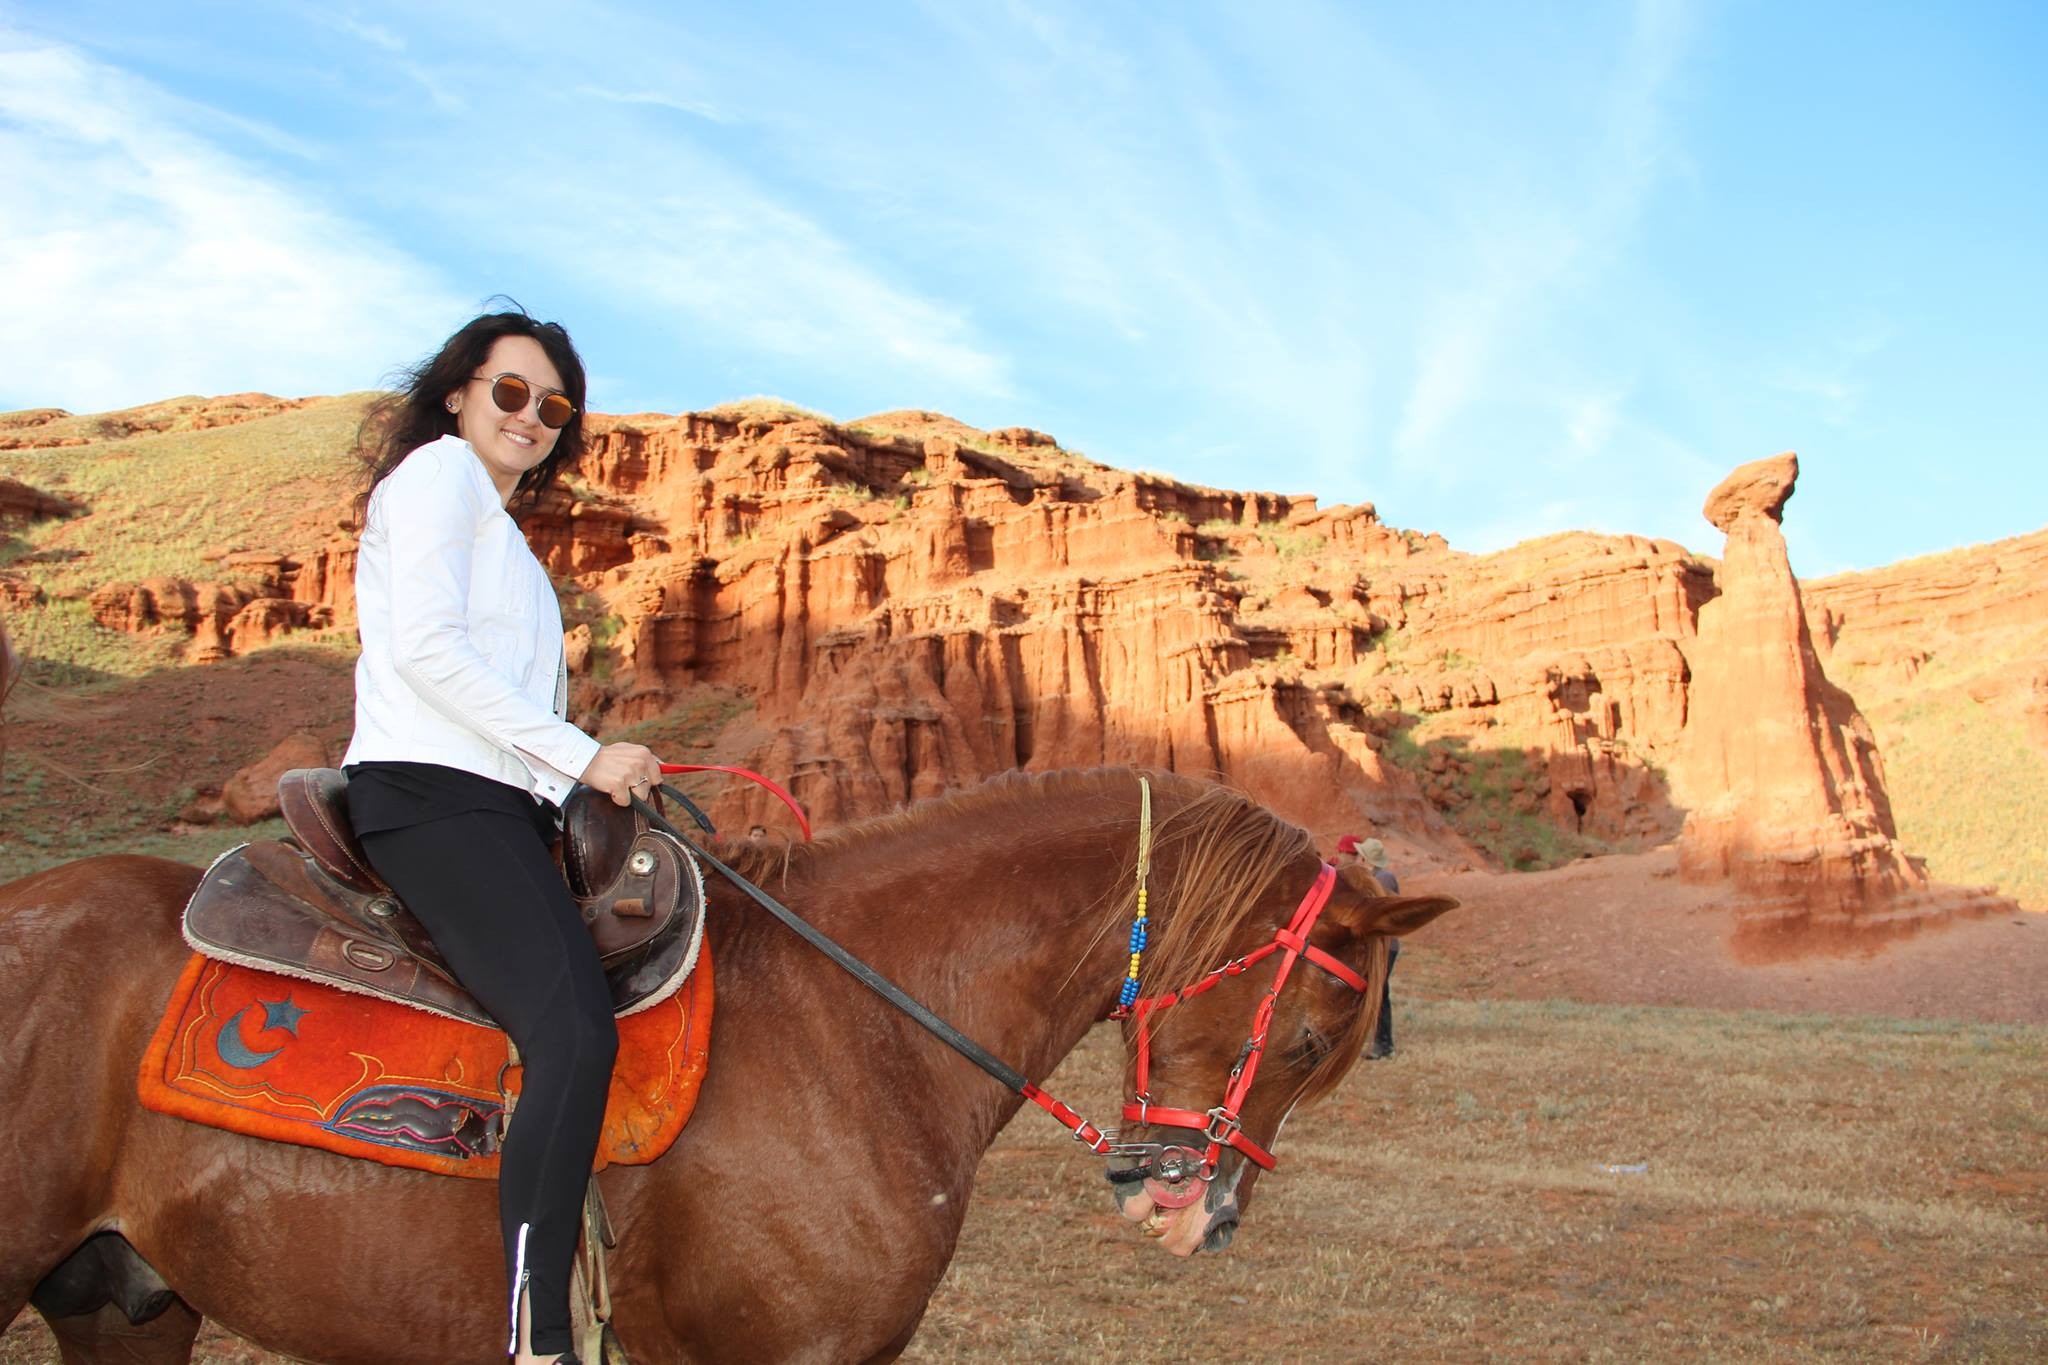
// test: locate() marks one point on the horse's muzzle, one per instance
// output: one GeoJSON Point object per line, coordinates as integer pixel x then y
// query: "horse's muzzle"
{"type": "Point", "coordinates": [1184, 1217]}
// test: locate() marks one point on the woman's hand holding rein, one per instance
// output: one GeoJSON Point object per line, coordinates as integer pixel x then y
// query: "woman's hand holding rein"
{"type": "Point", "coordinates": [623, 771]}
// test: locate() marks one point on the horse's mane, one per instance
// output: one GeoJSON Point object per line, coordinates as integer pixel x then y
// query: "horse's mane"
{"type": "Point", "coordinates": [1216, 855]}
{"type": "Point", "coordinates": [1222, 854]}
{"type": "Point", "coordinates": [999, 796]}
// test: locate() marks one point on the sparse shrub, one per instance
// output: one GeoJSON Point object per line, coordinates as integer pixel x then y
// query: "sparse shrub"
{"type": "Point", "coordinates": [1476, 790]}
{"type": "Point", "coordinates": [1289, 544]}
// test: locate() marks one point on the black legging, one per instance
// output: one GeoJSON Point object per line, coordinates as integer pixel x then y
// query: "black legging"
{"type": "Point", "coordinates": [1383, 1036]}
{"type": "Point", "coordinates": [482, 884]}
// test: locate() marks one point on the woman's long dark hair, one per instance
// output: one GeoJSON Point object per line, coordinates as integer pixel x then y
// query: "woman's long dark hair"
{"type": "Point", "coordinates": [414, 413]}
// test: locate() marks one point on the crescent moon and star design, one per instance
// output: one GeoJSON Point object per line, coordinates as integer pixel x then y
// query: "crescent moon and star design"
{"type": "Point", "coordinates": [276, 1014]}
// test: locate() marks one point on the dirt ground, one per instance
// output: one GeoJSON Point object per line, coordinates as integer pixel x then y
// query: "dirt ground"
{"type": "Point", "coordinates": [1603, 1136]}
{"type": "Point", "coordinates": [1625, 930]}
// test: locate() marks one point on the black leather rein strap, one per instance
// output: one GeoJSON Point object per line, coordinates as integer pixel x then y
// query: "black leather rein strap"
{"type": "Point", "coordinates": [861, 972]}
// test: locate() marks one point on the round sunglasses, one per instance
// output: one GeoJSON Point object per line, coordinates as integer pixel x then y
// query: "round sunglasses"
{"type": "Point", "coordinates": [512, 394]}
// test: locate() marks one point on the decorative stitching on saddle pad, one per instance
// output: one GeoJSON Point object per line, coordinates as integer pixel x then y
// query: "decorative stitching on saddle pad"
{"type": "Point", "coordinates": [297, 1061]}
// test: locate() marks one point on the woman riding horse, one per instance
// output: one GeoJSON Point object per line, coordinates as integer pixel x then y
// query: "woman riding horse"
{"type": "Point", "coordinates": [811, 1206]}
{"type": "Point", "coordinates": [462, 756]}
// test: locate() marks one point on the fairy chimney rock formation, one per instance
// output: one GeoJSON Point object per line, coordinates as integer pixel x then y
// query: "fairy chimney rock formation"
{"type": "Point", "coordinates": [1789, 789]}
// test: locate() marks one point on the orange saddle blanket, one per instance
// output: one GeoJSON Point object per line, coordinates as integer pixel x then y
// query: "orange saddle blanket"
{"type": "Point", "coordinates": [296, 1061]}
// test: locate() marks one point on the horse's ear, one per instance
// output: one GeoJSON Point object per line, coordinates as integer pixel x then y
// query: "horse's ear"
{"type": "Point", "coordinates": [1396, 916]}
{"type": "Point", "coordinates": [1393, 916]}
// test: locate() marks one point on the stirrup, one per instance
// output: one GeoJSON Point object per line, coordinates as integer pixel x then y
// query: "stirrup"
{"type": "Point", "coordinates": [590, 1286]}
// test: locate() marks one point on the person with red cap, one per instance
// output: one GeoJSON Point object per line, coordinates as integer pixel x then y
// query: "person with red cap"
{"type": "Point", "coordinates": [1371, 854]}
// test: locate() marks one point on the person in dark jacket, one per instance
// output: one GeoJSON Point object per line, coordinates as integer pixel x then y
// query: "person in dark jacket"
{"type": "Point", "coordinates": [1371, 854]}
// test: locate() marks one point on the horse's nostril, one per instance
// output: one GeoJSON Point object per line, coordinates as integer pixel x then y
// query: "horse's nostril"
{"type": "Point", "coordinates": [1220, 1235]}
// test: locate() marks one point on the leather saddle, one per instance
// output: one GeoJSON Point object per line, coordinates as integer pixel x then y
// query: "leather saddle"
{"type": "Point", "coordinates": [311, 905]}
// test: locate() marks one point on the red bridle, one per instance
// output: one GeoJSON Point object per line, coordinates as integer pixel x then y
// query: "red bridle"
{"type": "Point", "coordinates": [1223, 1125]}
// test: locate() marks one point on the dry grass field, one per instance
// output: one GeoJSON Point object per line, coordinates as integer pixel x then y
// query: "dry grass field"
{"type": "Point", "coordinates": [1811, 1188]}
{"type": "Point", "coordinates": [1546, 1180]}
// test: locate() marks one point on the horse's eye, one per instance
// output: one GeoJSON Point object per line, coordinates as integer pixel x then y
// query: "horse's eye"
{"type": "Point", "coordinates": [1310, 1046]}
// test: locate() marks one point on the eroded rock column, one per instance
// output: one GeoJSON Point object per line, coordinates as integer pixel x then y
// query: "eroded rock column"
{"type": "Point", "coordinates": [1780, 771]}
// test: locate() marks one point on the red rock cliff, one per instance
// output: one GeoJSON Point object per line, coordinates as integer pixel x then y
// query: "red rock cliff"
{"type": "Point", "coordinates": [902, 605]}
{"type": "Point", "coordinates": [912, 606]}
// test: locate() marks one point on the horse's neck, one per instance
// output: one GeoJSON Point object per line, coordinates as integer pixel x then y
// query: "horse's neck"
{"type": "Point", "coordinates": [994, 918]}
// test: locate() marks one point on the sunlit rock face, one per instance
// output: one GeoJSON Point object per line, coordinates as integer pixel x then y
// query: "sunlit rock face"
{"type": "Point", "coordinates": [883, 610]}
{"type": "Point", "coordinates": [910, 606]}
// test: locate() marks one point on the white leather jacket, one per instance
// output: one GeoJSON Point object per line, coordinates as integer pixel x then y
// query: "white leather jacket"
{"type": "Point", "coordinates": [462, 661]}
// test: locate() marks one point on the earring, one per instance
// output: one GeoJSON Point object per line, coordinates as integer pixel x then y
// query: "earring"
{"type": "Point", "coordinates": [451, 405]}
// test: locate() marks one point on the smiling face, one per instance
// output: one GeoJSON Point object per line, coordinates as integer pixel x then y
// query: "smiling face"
{"type": "Point", "coordinates": [509, 443]}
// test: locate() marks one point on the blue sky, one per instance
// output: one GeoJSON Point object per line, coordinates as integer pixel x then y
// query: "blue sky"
{"type": "Point", "coordinates": [1500, 269]}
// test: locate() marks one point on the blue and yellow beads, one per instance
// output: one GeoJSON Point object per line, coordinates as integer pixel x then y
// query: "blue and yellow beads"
{"type": "Point", "coordinates": [1128, 996]}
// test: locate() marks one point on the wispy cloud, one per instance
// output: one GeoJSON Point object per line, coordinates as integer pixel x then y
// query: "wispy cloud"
{"type": "Point", "coordinates": [143, 261]}
{"type": "Point", "coordinates": [1528, 252]}
{"type": "Point", "coordinates": [671, 224]}
{"type": "Point", "coordinates": [1833, 379]}
{"type": "Point", "coordinates": [1590, 423]}
{"type": "Point", "coordinates": [656, 99]}
{"type": "Point", "coordinates": [729, 261]}
{"type": "Point", "coordinates": [395, 55]}
{"type": "Point", "coordinates": [376, 35]}
{"type": "Point", "coordinates": [156, 262]}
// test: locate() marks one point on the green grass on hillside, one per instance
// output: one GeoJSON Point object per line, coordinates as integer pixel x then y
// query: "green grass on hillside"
{"type": "Point", "coordinates": [158, 502]}
{"type": "Point", "coordinates": [140, 826]}
{"type": "Point", "coordinates": [1969, 792]}
{"type": "Point", "coordinates": [1522, 841]}
{"type": "Point", "coordinates": [768, 406]}
{"type": "Point", "coordinates": [64, 647]}
{"type": "Point", "coordinates": [1968, 781]}
{"type": "Point", "coordinates": [1290, 544]}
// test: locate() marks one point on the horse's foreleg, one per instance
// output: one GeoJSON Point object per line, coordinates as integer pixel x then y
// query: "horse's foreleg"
{"type": "Point", "coordinates": [106, 1305]}
{"type": "Point", "coordinates": [106, 1337]}
{"type": "Point", "coordinates": [88, 952]}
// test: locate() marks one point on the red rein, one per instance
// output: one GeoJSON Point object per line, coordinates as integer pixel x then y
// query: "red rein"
{"type": "Point", "coordinates": [773, 790]}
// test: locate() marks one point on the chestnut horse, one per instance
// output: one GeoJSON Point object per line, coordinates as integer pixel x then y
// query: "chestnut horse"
{"type": "Point", "coordinates": [810, 1207]}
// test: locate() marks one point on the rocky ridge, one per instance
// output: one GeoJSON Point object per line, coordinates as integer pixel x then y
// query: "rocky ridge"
{"type": "Point", "coordinates": [903, 605]}
{"type": "Point", "coordinates": [1986, 602]}
{"type": "Point", "coordinates": [49, 428]}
